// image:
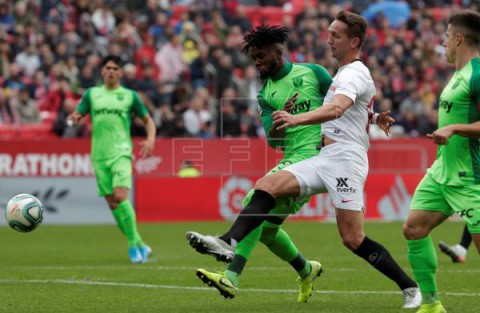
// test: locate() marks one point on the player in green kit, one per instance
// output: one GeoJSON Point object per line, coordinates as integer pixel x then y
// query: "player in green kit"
{"type": "Point", "coordinates": [452, 183]}
{"type": "Point", "coordinates": [110, 107]}
{"type": "Point", "coordinates": [296, 88]}
{"type": "Point", "coordinates": [285, 84]}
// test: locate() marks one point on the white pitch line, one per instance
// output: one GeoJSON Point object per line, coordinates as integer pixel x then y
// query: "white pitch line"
{"type": "Point", "coordinates": [151, 286]}
{"type": "Point", "coordinates": [190, 268]}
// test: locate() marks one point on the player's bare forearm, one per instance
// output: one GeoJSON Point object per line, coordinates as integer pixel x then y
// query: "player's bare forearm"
{"type": "Point", "coordinates": [325, 113]}
{"type": "Point", "coordinates": [283, 119]}
{"type": "Point", "coordinates": [319, 115]}
{"type": "Point", "coordinates": [467, 130]}
{"type": "Point", "coordinates": [441, 135]}
{"type": "Point", "coordinates": [148, 145]}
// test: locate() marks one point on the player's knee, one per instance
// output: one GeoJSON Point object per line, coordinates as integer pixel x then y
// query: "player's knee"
{"type": "Point", "coordinates": [265, 184]}
{"type": "Point", "coordinates": [352, 241]}
{"type": "Point", "coordinates": [414, 231]}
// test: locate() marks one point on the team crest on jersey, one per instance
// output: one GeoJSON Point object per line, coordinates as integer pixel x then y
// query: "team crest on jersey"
{"type": "Point", "coordinates": [298, 82]}
{"type": "Point", "coordinates": [456, 83]}
{"type": "Point", "coordinates": [120, 96]}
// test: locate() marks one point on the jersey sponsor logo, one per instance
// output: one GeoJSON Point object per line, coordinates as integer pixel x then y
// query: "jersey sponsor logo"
{"type": "Point", "coordinates": [297, 82]}
{"type": "Point", "coordinates": [446, 105]}
{"type": "Point", "coordinates": [468, 213]}
{"type": "Point", "coordinates": [302, 107]}
{"type": "Point", "coordinates": [107, 111]}
{"type": "Point", "coordinates": [476, 224]}
{"type": "Point", "coordinates": [346, 200]}
{"type": "Point", "coordinates": [273, 94]}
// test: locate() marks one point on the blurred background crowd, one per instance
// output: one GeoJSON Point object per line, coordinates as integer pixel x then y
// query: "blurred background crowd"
{"type": "Point", "coordinates": [184, 58]}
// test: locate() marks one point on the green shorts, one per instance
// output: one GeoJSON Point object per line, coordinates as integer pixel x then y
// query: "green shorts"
{"type": "Point", "coordinates": [112, 173]}
{"type": "Point", "coordinates": [464, 200]}
{"type": "Point", "coordinates": [285, 205]}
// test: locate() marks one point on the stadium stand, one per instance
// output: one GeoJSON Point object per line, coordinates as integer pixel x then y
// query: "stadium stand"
{"type": "Point", "coordinates": [177, 51]}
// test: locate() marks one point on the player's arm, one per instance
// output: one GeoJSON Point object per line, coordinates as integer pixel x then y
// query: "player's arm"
{"type": "Point", "coordinates": [148, 144]}
{"type": "Point", "coordinates": [441, 135]}
{"type": "Point", "coordinates": [82, 109]}
{"type": "Point", "coordinates": [323, 114]}
{"type": "Point", "coordinates": [288, 107]}
{"type": "Point", "coordinates": [472, 130]}
{"type": "Point", "coordinates": [274, 138]}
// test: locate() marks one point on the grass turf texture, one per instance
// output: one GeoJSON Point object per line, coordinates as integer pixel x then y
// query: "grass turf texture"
{"type": "Point", "coordinates": [86, 269]}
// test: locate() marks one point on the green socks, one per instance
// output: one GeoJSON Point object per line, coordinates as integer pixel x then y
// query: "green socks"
{"type": "Point", "coordinates": [423, 260]}
{"type": "Point", "coordinates": [126, 220]}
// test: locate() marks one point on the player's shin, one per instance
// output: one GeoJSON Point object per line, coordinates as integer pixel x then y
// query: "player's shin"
{"type": "Point", "coordinates": [379, 257]}
{"type": "Point", "coordinates": [423, 260]}
{"type": "Point", "coordinates": [251, 217]}
{"type": "Point", "coordinates": [129, 220]}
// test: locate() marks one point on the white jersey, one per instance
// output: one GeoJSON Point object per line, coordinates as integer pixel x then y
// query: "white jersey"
{"type": "Point", "coordinates": [354, 81]}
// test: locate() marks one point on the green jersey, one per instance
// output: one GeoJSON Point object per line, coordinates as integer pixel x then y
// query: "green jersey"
{"type": "Point", "coordinates": [111, 115]}
{"type": "Point", "coordinates": [458, 162]}
{"type": "Point", "coordinates": [311, 82]}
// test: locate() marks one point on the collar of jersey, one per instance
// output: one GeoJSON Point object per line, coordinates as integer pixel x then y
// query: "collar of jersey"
{"type": "Point", "coordinates": [287, 67]}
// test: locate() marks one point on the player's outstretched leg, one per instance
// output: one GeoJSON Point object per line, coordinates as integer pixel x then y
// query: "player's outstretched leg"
{"type": "Point", "coordinates": [219, 281]}
{"type": "Point", "coordinates": [211, 245]}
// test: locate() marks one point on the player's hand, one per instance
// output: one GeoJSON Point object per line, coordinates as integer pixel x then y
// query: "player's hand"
{"type": "Point", "coordinates": [283, 119]}
{"type": "Point", "coordinates": [146, 149]}
{"type": "Point", "coordinates": [441, 135]}
{"type": "Point", "coordinates": [290, 103]}
{"type": "Point", "coordinates": [384, 121]}
{"type": "Point", "coordinates": [74, 118]}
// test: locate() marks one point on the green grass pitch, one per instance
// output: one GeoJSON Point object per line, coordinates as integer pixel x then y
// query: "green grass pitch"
{"type": "Point", "coordinates": [86, 269]}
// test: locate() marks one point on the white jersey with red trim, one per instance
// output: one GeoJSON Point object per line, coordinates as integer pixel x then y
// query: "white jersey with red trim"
{"type": "Point", "coordinates": [354, 81]}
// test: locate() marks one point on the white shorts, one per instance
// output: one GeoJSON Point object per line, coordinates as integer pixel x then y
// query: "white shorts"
{"type": "Point", "coordinates": [339, 169]}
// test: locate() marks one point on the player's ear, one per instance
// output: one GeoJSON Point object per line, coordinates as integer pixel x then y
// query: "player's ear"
{"type": "Point", "coordinates": [355, 43]}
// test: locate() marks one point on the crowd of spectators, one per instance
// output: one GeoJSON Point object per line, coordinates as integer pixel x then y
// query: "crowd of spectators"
{"type": "Point", "coordinates": [184, 58]}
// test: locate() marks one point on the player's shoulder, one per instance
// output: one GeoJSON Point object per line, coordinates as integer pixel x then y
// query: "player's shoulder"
{"type": "Point", "coordinates": [309, 67]}
{"type": "Point", "coordinates": [475, 68]}
{"type": "Point", "coordinates": [354, 71]}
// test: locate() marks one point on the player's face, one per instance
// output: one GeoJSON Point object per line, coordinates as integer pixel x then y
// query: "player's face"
{"type": "Point", "coordinates": [267, 60]}
{"type": "Point", "coordinates": [111, 73]}
{"type": "Point", "coordinates": [338, 40]}
{"type": "Point", "coordinates": [450, 44]}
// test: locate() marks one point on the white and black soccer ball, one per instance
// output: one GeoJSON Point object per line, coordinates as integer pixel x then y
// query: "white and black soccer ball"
{"type": "Point", "coordinates": [24, 213]}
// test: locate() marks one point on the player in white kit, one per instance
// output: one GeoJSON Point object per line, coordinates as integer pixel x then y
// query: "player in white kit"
{"type": "Point", "coordinates": [341, 168]}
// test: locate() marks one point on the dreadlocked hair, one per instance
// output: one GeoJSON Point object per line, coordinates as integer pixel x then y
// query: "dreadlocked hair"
{"type": "Point", "coordinates": [264, 35]}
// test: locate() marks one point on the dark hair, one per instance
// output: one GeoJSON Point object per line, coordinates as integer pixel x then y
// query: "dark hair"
{"type": "Point", "coordinates": [467, 22]}
{"type": "Point", "coordinates": [114, 58]}
{"type": "Point", "coordinates": [264, 35]}
{"type": "Point", "coordinates": [356, 25]}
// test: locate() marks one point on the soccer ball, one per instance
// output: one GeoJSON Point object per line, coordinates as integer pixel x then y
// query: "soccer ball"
{"type": "Point", "coordinates": [24, 212]}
